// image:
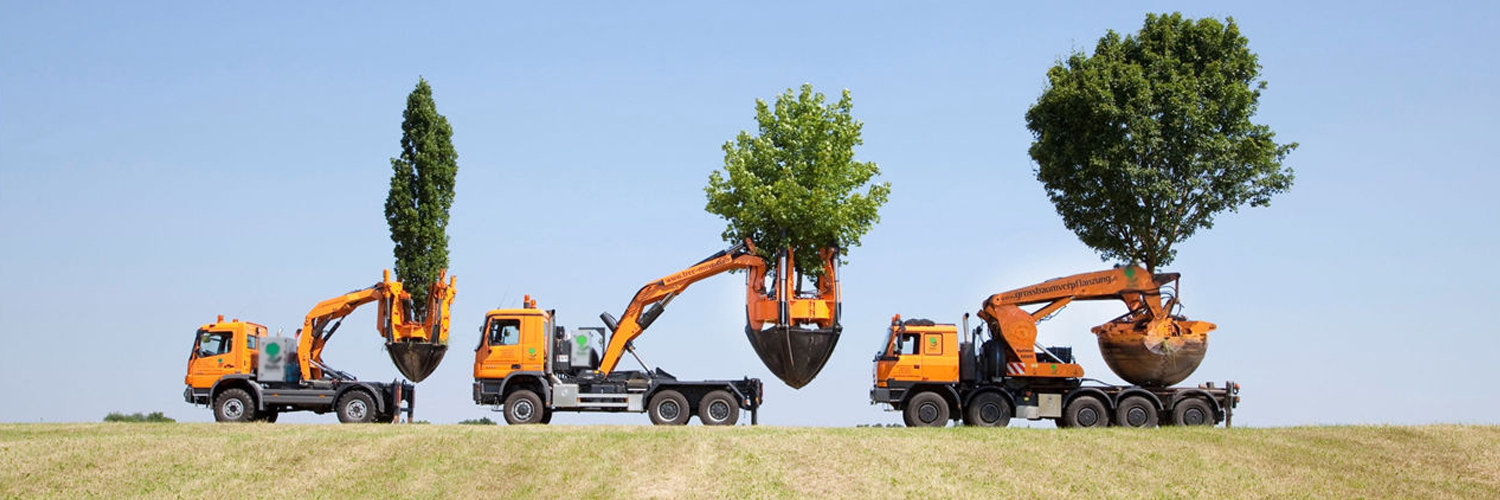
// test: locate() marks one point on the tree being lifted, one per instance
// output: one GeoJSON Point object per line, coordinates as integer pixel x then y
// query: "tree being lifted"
{"type": "Point", "coordinates": [1144, 142]}
{"type": "Point", "coordinates": [421, 193]}
{"type": "Point", "coordinates": [795, 184]}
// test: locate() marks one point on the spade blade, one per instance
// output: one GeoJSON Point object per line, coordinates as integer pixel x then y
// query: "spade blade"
{"type": "Point", "coordinates": [416, 360]}
{"type": "Point", "coordinates": [794, 355]}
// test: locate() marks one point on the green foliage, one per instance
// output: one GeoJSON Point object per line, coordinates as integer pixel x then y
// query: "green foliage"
{"type": "Point", "coordinates": [796, 183]}
{"type": "Point", "coordinates": [1144, 142]}
{"type": "Point", "coordinates": [478, 421]}
{"type": "Point", "coordinates": [421, 194]}
{"type": "Point", "coordinates": [136, 418]}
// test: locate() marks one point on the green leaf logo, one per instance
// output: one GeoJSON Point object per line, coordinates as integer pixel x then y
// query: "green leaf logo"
{"type": "Point", "coordinates": [932, 341]}
{"type": "Point", "coordinates": [583, 341]}
{"type": "Point", "coordinates": [1130, 274]}
{"type": "Point", "coordinates": [273, 348]}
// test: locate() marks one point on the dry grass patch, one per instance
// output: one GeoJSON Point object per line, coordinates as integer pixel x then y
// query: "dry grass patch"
{"type": "Point", "coordinates": [451, 461]}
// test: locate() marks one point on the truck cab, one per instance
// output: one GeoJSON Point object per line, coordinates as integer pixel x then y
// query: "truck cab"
{"type": "Point", "coordinates": [916, 352]}
{"type": "Point", "coordinates": [512, 341]}
{"type": "Point", "coordinates": [223, 348]}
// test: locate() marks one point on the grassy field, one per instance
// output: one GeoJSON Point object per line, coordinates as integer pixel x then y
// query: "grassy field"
{"type": "Point", "coordinates": [448, 461]}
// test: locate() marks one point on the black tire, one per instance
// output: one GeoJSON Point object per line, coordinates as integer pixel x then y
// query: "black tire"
{"type": "Point", "coordinates": [356, 407]}
{"type": "Point", "coordinates": [1137, 412]}
{"type": "Point", "coordinates": [669, 407]}
{"type": "Point", "coordinates": [1084, 411]}
{"type": "Point", "coordinates": [268, 416]}
{"type": "Point", "coordinates": [524, 407]}
{"type": "Point", "coordinates": [234, 405]}
{"type": "Point", "coordinates": [988, 410]}
{"type": "Point", "coordinates": [718, 408]}
{"type": "Point", "coordinates": [546, 417]}
{"type": "Point", "coordinates": [1193, 411]}
{"type": "Point", "coordinates": [926, 409]}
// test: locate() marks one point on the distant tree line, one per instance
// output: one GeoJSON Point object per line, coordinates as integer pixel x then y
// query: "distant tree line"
{"type": "Point", "coordinates": [154, 417]}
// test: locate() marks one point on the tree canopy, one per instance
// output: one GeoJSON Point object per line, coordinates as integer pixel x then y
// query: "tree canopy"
{"type": "Point", "coordinates": [421, 194]}
{"type": "Point", "coordinates": [795, 183]}
{"type": "Point", "coordinates": [1144, 142]}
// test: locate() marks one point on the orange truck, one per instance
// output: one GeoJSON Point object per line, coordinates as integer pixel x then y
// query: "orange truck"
{"type": "Point", "coordinates": [245, 374]}
{"type": "Point", "coordinates": [935, 373]}
{"type": "Point", "coordinates": [529, 367]}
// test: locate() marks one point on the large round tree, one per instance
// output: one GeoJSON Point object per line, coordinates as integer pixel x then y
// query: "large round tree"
{"type": "Point", "coordinates": [1142, 143]}
{"type": "Point", "coordinates": [421, 194]}
{"type": "Point", "coordinates": [795, 183]}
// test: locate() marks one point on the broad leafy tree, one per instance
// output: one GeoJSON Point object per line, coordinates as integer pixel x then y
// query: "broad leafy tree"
{"type": "Point", "coordinates": [1142, 143]}
{"type": "Point", "coordinates": [795, 182]}
{"type": "Point", "coordinates": [421, 194]}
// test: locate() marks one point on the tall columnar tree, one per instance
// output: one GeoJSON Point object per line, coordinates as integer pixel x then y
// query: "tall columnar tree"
{"type": "Point", "coordinates": [421, 194]}
{"type": "Point", "coordinates": [1144, 142]}
{"type": "Point", "coordinates": [796, 183]}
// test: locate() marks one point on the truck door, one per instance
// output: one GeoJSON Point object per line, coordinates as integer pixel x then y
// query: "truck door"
{"type": "Point", "coordinates": [939, 361]}
{"type": "Point", "coordinates": [213, 357]}
{"type": "Point", "coordinates": [503, 346]}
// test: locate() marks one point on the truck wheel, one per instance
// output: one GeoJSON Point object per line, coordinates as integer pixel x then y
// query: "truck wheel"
{"type": "Point", "coordinates": [268, 416]}
{"type": "Point", "coordinates": [718, 408]}
{"type": "Point", "coordinates": [926, 409]}
{"type": "Point", "coordinates": [988, 410]}
{"type": "Point", "coordinates": [234, 405]}
{"type": "Point", "coordinates": [356, 407]}
{"type": "Point", "coordinates": [1193, 412]}
{"type": "Point", "coordinates": [1084, 411]}
{"type": "Point", "coordinates": [1136, 411]}
{"type": "Point", "coordinates": [668, 407]}
{"type": "Point", "coordinates": [524, 407]}
{"type": "Point", "coordinates": [546, 417]}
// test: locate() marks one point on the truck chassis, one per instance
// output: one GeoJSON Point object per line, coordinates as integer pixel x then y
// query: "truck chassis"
{"type": "Point", "coordinates": [532, 397]}
{"type": "Point", "coordinates": [240, 398]}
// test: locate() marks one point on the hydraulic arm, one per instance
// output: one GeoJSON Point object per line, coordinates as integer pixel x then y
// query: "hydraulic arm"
{"type": "Point", "coordinates": [653, 298]}
{"type": "Point", "coordinates": [411, 343]}
{"type": "Point", "coordinates": [782, 345]}
{"type": "Point", "coordinates": [1146, 346]}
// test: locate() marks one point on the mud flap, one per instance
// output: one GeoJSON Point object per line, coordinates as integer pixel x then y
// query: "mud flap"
{"type": "Point", "coordinates": [794, 355]}
{"type": "Point", "coordinates": [416, 360]}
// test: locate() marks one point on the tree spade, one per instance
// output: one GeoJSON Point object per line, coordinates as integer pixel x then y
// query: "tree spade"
{"type": "Point", "coordinates": [421, 194]}
{"type": "Point", "coordinates": [1142, 143]}
{"type": "Point", "coordinates": [795, 183]}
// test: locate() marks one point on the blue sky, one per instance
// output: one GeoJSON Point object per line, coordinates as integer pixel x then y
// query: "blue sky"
{"type": "Point", "coordinates": [162, 163]}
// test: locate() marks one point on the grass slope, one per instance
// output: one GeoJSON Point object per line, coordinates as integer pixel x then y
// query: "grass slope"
{"type": "Point", "coordinates": [449, 461]}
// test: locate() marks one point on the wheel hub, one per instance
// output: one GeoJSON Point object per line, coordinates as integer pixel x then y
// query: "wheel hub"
{"type": "Point", "coordinates": [668, 410]}
{"type": "Point", "coordinates": [718, 410]}
{"type": "Point", "coordinates": [234, 409]}
{"type": "Point", "coordinates": [356, 409]}
{"type": "Point", "coordinates": [927, 412]}
{"type": "Point", "coordinates": [1088, 417]}
{"type": "Point", "coordinates": [990, 413]}
{"type": "Point", "coordinates": [523, 411]}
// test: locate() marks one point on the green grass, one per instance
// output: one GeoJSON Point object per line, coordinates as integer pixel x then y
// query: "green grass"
{"type": "Point", "coordinates": [453, 461]}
